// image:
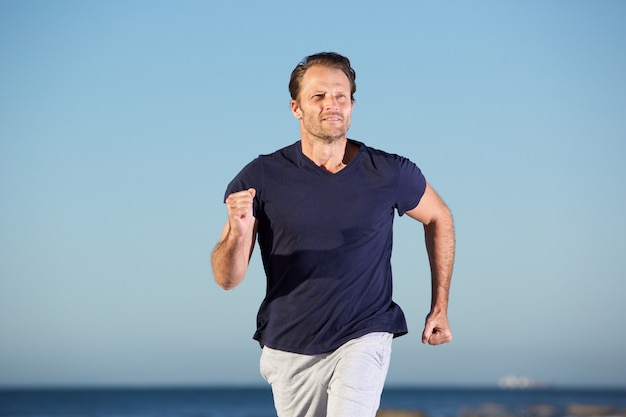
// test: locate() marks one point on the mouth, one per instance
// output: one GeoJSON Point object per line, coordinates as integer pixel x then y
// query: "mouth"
{"type": "Point", "coordinates": [332, 118]}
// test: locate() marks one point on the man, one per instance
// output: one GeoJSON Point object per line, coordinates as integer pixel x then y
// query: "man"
{"type": "Point", "coordinates": [322, 210]}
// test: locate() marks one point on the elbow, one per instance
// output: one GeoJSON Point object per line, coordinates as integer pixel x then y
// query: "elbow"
{"type": "Point", "coordinates": [226, 286]}
{"type": "Point", "coordinates": [444, 216]}
{"type": "Point", "coordinates": [225, 283]}
{"type": "Point", "coordinates": [442, 219]}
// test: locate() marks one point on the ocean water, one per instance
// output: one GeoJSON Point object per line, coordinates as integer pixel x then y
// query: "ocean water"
{"type": "Point", "coordinates": [257, 402]}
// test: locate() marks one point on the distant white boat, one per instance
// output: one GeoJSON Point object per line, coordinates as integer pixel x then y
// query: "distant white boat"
{"type": "Point", "coordinates": [518, 382]}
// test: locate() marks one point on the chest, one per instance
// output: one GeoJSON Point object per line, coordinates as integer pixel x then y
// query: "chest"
{"type": "Point", "coordinates": [327, 210]}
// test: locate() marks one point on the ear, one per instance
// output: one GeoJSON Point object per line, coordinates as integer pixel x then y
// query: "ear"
{"type": "Point", "coordinates": [295, 109]}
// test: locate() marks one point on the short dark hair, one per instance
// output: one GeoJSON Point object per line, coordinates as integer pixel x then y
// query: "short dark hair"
{"type": "Point", "coordinates": [324, 59]}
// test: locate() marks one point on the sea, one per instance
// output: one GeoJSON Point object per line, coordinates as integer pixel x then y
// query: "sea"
{"type": "Point", "coordinates": [257, 402]}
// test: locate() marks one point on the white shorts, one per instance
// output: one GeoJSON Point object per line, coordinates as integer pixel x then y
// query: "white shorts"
{"type": "Point", "coordinates": [345, 383]}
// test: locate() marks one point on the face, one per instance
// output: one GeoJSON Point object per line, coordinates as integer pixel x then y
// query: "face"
{"type": "Point", "coordinates": [324, 106]}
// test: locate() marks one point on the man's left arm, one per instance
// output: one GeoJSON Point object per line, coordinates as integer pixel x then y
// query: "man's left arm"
{"type": "Point", "coordinates": [435, 215]}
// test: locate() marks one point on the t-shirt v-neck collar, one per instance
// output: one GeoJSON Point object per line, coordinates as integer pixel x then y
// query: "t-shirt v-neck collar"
{"type": "Point", "coordinates": [308, 162]}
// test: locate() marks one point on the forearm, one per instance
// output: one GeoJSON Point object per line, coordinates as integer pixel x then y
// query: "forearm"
{"type": "Point", "coordinates": [230, 259]}
{"type": "Point", "coordinates": [440, 245]}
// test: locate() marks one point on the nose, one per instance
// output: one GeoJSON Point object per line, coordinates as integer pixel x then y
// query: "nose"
{"type": "Point", "coordinates": [330, 102]}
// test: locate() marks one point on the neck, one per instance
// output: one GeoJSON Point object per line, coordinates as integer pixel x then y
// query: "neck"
{"type": "Point", "coordinates": [332, 156]}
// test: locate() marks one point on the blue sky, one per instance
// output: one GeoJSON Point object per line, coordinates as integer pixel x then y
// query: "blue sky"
{"type": "Point", "coordinates": [121, 122]}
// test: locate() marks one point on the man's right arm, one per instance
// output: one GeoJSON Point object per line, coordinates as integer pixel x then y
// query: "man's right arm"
{"type": "Point", "coordinates": [231, 255]}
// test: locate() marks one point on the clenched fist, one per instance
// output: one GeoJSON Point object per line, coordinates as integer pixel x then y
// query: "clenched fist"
{"type": "Point", "coordinates": [240, 216]}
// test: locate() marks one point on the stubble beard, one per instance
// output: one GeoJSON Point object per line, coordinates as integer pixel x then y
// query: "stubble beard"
{"type": "Point", "coordinates": [314, 127]}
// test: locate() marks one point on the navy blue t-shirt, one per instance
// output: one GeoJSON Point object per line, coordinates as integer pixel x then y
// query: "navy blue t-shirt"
{"type": "Point", "coordinates": [325, 241]}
